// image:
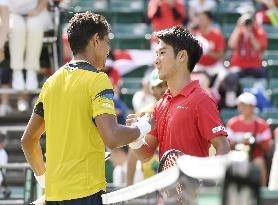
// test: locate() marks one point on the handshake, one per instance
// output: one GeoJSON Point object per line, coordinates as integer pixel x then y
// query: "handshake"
{"type": "Point", "coordinates": [144, 126]}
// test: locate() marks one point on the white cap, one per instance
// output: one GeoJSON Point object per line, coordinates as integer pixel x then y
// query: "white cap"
{"type": "Point", "coordinates": [109, 62]}
{"type": "Point", "coordinates": [247, 98]}
{"type": "Point", "coordinates": [155, 81]}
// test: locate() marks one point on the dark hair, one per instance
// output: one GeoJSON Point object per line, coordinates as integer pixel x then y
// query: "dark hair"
{"type": "Point", "coordinates": [2, 138]}
{"type": "Point", "coordinates": [181, 39]}
{"type": "Point", "coordinates": [208, 14]}
{"type": "Point", "coordinates": [83, 26]}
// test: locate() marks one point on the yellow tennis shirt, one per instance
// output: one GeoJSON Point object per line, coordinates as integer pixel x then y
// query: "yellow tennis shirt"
{"type": "Point", "coordinates": [69, 101]}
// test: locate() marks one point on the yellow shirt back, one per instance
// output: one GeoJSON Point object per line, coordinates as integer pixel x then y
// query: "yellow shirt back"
{"type": "Point", "coordinates": [69, 101]}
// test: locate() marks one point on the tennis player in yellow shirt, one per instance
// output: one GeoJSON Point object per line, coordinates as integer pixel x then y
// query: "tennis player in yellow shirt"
{"type": "Point", "coordinates": [75, 108]}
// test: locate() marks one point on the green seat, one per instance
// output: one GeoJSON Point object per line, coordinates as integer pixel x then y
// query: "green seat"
{"type": "Point", "coordinates": [247, 83]}
{"type": "Point", "coordinates": [127, 99]}
{"type": "Point", "coordinates": [273, 84]}
{"type": "Point", "coordinates": [131, 85]}
{"type": "Point", "coordinates": [125, 11]}
{"type": "Point", "coordinates": [272, 36]}
{"type": "Point", "coordinates": [274, 97]}
{"type": "Point", "coordinates": [227, 114]}
{"type": "Point", "coordinates": [131, 36]}
{"type": "Point", "coordinates": [137, 73]}
{"type": "Point", "coordinates": [270, 114]}
{"type": "Point", "coordinates": [230, 10]}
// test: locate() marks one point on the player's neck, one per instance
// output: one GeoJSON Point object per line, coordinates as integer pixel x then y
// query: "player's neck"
{"type": "Point", "coordinates": [84, 57]}
{"type": "Point", "coordinates": [176, 84]}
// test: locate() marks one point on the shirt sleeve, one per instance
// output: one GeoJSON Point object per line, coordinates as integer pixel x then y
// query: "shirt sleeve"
{"type": "Point", "coordinates": [38, 108]}
{"type": "Point", "coordinates": [208, 119]}
{"type": "Point", "coordinates": [102, 96]}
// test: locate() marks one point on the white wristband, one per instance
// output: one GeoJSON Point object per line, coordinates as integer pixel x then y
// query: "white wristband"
{"type": "Point", "coordinates": [137, 144]}
{"type": "Point", "coordinates": [41, 180]}
{"type": "Point", "coordinates": [143, 125]}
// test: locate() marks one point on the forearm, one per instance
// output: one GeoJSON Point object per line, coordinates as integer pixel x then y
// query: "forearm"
{"type": "Point", "coordinates": [4, 25]}
{"type": "Point", "coordinates": [33, 154]}
{"type": "Point", "coordinates": [131, 167]}
{"type": "Point", "coordinates": [234, 39]}
{"type": "Point", "coordinates": [42, 5]}
{"type": "Point", "coordinates": [121, 135]}
{"type": "Point", "coordinates": [145, 153]}
{"type": "Point", "coordinates": [223, 150]}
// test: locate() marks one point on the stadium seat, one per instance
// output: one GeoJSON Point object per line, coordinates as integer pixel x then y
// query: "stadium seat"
{"type": "Point", "coordinates": [272, 36]}
{"type": "Point", "coordinates": [270, 114]}
{"type": "Point", "coordinates": [131, 36]}
{"type": "Point", "coordinates": [226, 114]}
{"type": "Point", "coordinates": [123, 11]}
{"type": "Point", "coordinates": [230, 10]}
{"type": "Point", "coordinates": [137, 73]}
{"type": "Point", "coordinates": [273, 84]}
{"type": "Point", "coordinates": [274, 98]}
{"type": "Point", "coordinates": [227, 30]}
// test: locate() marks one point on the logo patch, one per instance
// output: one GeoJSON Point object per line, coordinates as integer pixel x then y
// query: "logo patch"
{"type": "Point", "coordinates": [218, 129]}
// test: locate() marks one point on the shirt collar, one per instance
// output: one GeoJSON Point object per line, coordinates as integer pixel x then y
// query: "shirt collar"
{"type": "Point", "coordinates": [187, 90]}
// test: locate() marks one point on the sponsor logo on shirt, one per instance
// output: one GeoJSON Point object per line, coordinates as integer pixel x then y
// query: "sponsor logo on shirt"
{"type": "Point", "coordinates": [107, 105]}
{"type": "Point", "coordinates": [218, 129]}
{"type": "Point", "coordinates": [181, 107]}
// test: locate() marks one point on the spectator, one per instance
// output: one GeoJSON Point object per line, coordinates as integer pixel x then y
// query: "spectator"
{"type": "Point", "coordinates": [204, 81]}
{"type": "Point", "coordinates": [198, 6]}
{"type": "Point", "coordinates": [246, 126]}
{"type": "Point", "coordinates": [28, 21]}
{"type": "Point", "coordinates": [165, 14]}
{"type": "Point", "coordinates": [273, 178]}
{"type": "Point", "coordinates": [5, 72]}
{"type": "Point", "coordinates": [248, 41]}
{"type": "Point", "coordinates": [212, 61]}
{"type": "Point", "coordinates": [3, 155]}
{"type": "Point", "coordinates": [158, 88]}
{"type": "Point", "coordinates": [268, 13]}
{"type": "Point", "coordinates": [143, 97]}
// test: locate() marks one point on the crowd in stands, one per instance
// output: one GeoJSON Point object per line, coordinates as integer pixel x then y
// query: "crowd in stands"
{"type": "Point", "coordinates": [23, 23]}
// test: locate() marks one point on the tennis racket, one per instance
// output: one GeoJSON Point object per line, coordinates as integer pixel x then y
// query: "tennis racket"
{"type": "Point", "coordinates": [168, 160]}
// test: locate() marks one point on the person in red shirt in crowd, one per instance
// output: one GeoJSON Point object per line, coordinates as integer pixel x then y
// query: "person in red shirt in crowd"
{"type": "Point", "coordinates": [247, 126]}
{"type": "Point", "coordinates": [273, 177]}
{"type": "Point", "coordinates": [268, 13]}
{"type": "Point", "coordinates": [212, 61]}
{"type": "Point", "coordinates": [248, 41]}
{"type": "Point", "coordinates": [165, 14]}
{"type": "Point", "coordinates": [187, 118]}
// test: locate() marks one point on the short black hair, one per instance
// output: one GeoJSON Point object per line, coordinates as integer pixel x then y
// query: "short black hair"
{"type": "Point", "coordinates": [181, 39]}
{"type": "Point", "coordinates": [83, 26]}
{"type": "Point", "coordinates": [208, 14]}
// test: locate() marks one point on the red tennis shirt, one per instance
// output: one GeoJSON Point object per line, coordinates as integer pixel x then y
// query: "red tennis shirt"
{"type": "Point", "coordinates": [187, 121]}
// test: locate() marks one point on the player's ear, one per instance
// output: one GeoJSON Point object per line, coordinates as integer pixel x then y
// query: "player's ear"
{"type": "Point", "coordinates": [95, 39]}
{"type": "Point", "coordinates": [182, 56]}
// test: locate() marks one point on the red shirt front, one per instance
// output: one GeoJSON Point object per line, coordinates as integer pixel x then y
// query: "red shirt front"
{"type": "Point", "coordinates": [167, 19]}
{"type": "Point", "coordinates": [245, 56]}
{"type": "Point", "coordinates": [215, 37]}
{"type": "Point", "coordinates": [237, 128]}
{"type": "Point", "coordinates": [187, 121]}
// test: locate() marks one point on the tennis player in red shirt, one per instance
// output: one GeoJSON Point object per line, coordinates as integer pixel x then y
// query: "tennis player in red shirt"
{"type": "Point", "coordinates": [187, 118]}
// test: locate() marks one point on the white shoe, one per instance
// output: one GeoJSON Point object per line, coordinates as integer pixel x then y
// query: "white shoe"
{"type": "Point", "coordinates": [5, 109]}
{"type": "Point", "coordinates": [22, 105]}
{"type": "Point", "coordinates": [18, 80]}
{"type": "Point", "coordinates": [31, 80]}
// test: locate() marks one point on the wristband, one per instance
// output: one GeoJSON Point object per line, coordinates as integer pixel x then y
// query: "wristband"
{"type": "Point", "coordinates": [41, 180]}
{"type": "Point", "coordinates": [143, 125]}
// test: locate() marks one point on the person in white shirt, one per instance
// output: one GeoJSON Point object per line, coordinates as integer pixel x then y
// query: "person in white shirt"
{"type": "Point", "coordinates": [28, 21]}
{"type": "Point", "coordinates": [3, 155]}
